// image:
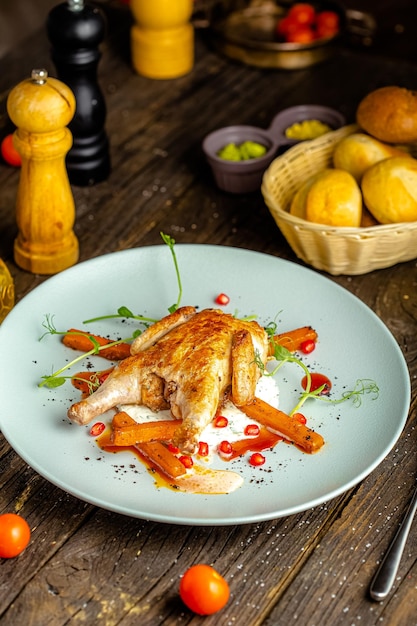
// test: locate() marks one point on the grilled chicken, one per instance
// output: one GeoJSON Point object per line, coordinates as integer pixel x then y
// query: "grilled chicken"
{"type": "Point", "coordinates": [187, 362]}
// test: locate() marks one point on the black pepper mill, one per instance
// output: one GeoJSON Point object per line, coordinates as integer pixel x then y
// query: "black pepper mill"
{"type": "Point", "coordinates": [75, 30]}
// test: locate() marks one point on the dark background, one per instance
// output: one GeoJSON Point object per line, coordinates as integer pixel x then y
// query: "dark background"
{"type": "Point", "coordinates": [396, 22]}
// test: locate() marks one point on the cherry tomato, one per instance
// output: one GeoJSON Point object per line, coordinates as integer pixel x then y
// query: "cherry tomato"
{"type": "Point", "coordinates": [286, 26]}
{"type": "Point", "coordinates": [327, 24]}
{"type": "Point", "coordinates": [256, 459]}
{"type": "Point", "coordinates": [303, 13]}
{"type": "Point", "coordinates": [329, 19]}
{"type": "Point", "coordinates": [302, 34]}
{"type": "Point", "coordinates": [222, 299]}
{"type": "Point", "coordinates": [97, 429]}
{"type": "Point", "coordinates": [14, 535]}
{"type": "Point", "coordinates": [9, 152]}
{"type": "Point", "coordinates": [204, 590]}
{"type": "Point", "coordinates": [173, 449]}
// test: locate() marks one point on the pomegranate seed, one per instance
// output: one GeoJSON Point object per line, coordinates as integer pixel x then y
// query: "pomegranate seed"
{"type": "Point", "coordinates": [203, 448]}
{"type": "Point", "coordinates": [173, 449]}
{"type": "Point", "coordinates": [221, 421]}
{"type": "Point", "coordinates": [223, 299]}
{"type": "Point", "coordinates": [225, 447]}
{"type": "Point", "coordinates": [187, 461]}
{"type": "Point", "coordinates": [97, 429]}
{"type": "Point", "coordinates": [300, 418]}
{"type": "Point", "coordinates": [308, 346]}
{"type": "Point", "coordinates": [252, 430]}
{"type": "Point", "coordinates": [257, 459]}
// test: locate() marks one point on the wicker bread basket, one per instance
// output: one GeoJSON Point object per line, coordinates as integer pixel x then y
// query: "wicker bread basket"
{"type": "Point", "coordinates": [336, 250]}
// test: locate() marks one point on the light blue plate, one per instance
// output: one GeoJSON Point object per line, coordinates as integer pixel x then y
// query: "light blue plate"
{"type": "Point", "coordinates": [353, 344]}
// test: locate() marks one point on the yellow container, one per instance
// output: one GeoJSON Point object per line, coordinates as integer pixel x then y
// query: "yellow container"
{"type": "Point", "coordinates": [163, 54]}
{"type": "Point", "coordinates": [161, 14]}
{"type": "Point", "coordinates": [6, 291]}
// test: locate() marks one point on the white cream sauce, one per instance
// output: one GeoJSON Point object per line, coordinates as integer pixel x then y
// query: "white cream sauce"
{"type": "Point", "coordinates": [202, 479]}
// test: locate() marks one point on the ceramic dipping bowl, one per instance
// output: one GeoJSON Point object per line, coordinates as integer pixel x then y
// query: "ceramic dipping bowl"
{"type": "Point", "coordinates": [246, 176]}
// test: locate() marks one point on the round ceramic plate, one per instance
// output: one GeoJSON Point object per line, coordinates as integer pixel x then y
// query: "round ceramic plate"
{"type": "Point", "coordinates": [353, 344]}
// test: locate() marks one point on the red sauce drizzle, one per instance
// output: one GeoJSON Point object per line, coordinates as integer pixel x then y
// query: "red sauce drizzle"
{"type": "Point", "coordinates": [317, 380]}
{"type": "Point", "coordinates": [263, 441]}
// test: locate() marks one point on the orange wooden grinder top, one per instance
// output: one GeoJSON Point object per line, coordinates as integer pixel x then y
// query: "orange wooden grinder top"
{"type": "Point", "coordinates": [41, 107]}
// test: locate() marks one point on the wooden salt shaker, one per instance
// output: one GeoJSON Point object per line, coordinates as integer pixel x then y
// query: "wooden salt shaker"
{"type": "Point", "coordinates": [41, 107]}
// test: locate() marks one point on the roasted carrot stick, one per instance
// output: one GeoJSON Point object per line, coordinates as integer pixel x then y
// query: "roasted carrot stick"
{"type": "Point", "coordinates": [122, 420]}
{"type": "Point", "coordinates": [162, 430]}
{"type": "Point", "coordinates": [159, 455]}
{"type": "Point", "coordinates": [154, 451]}
{"type": "Point", "coordinates": [293, 339]}
{"type": "Point", "coordinates": [282, 424]}
{"type": "Point", "coordinates": [80, 340]}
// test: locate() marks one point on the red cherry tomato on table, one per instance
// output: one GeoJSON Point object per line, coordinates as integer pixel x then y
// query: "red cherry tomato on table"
{"type": "Point", "coordinates": [14, 535]}
{"type": "Point", "coordinates": [9, 152]}
{"type": "Point", "coordinates": [204, 590]}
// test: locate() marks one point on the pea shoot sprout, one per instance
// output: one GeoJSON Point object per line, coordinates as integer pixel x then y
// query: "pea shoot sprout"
{"type": "Point", "coordinates": [126, 313]}
{"type": "Point", "coordinates": [282, 355]}
{"type": "Point", "coordinates": [55, 379]}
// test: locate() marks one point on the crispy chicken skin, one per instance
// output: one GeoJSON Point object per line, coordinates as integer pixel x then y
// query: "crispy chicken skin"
{"type": "Point", "coordinates": [185, 362]}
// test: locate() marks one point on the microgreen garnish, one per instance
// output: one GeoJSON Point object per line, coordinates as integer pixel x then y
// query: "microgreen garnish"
{"type": "Point", "coordinates": [170, 242]}
{"type": "Point", "coordinates": [126, 313]}
{"type": "Point", "coordinates": [363, 386]}
{"type": "Point", "coordinates": [271, 328]}
{"type": "Point", "coordinates": [282, 355]}
{"type": "Point", "coordinates": [55, 379]}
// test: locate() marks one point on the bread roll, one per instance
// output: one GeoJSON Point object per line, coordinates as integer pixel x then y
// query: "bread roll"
{"type": "Point", "coordinates": [390, 190]}
{"type": "Point", "coordinates": [389, 114]}
{"type": "Point", "coordinates": [357, 152]}
{"type": "Point", "coordinates": [331, 197]}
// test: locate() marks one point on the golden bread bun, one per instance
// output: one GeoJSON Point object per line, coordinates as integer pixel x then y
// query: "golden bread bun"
{"type": "Point", "coordinates": [389, 114]}
{"type": "Point", "coordinates": [357, 152]}
{"type": "Point", "coordinates": [390, 190]}
{"type": "Point", "coordinates": [299, 201]}
{"type": "Point", "coordinates": [331, 197]}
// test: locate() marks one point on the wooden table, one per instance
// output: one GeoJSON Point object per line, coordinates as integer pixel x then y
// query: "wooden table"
{"type": "Point", "coordinates": [90, 566]}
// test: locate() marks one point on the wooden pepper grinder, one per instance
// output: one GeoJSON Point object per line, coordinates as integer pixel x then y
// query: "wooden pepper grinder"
{"type": "Point", "coordinates": [41, 107]}
{"type": "Point", "coordinates": [75, 30]}
{"type": "Point", "coordinates": [162, 38]}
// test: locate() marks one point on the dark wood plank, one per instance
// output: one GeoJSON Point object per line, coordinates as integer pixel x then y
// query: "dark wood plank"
{"type": "Point", "coordinates": [89, 565]}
